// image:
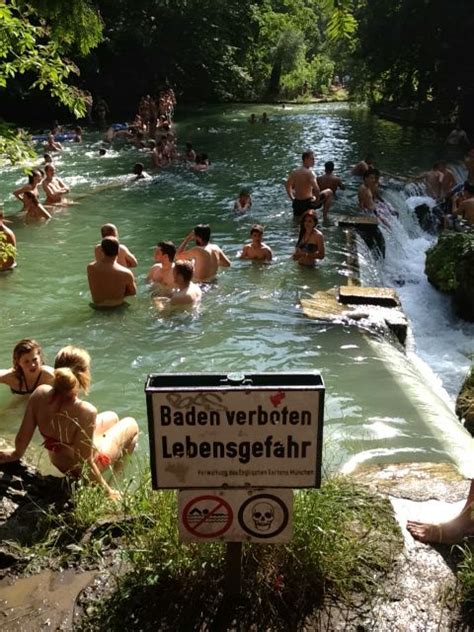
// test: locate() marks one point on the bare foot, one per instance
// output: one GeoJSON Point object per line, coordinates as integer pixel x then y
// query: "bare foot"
{"type": "Point", "coordinates": [446, 533]}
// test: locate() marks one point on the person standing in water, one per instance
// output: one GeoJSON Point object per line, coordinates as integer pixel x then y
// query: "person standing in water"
{"type": "Point", "coordinates": [303, 190]}
{"type": "Point", "coordinates": [35, 178]}
{"type": "Point", "coordinates": [256, 250]}
{"type": "Point", "coordinates": [125, 257]}
{"type": "Point", "coordinates": [109, 282]}
{"type": "Point", "coordinates": [207, 257]}
{"type": "Point", "coordinates": [310, 244]}
{"type": "Point", "coordinates": [186, 293]}
{"type": "Point", "coordinates": [329, 180]}
{"type": "Point", "coordinates": [53, 186]}
{"type": "Point", "coordinates": [161, 274]}
{"type": "Point", "coordinates": [34, 210]}
{"type": "Point", "coordinates": [80, 442]}
{"type": "Point", "coordinates": [27, 371]}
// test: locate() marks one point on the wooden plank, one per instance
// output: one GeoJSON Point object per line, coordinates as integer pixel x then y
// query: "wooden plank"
{"type": "Point", "coordinates": [354, 295]}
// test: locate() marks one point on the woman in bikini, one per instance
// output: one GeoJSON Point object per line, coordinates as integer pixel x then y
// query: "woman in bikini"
{"type": "Point", "coordinates": [80, 442]}
{"type": "Point", "coordinates": [28, 370]}
{"type": "Point", "coordinates": [310, 244]}
{"type": "Point", "coordinates": [34, 180]}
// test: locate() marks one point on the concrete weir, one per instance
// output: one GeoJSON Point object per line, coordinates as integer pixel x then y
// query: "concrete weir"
{"type": "Point", "coordinates": [367, 227]}
{"type": "Point", "coordinates": [353, 303]}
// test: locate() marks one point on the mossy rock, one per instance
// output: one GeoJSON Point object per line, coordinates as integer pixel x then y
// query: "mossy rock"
{"type": "Point", "coordinates": [464, 292]}
{"type": "Point", "coordinates": [443, 259]}
{"type": "Point", "coordinates": [465, 402]}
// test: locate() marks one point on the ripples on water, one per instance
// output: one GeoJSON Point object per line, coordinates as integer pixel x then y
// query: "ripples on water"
{"type": "Point", "coordinates": [251, 319]}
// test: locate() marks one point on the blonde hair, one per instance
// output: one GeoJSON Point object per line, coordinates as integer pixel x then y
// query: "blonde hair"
{"type": "Point", "coordinates": [77, 362]}
{"type": "Point", "coordinates": [64, 381]}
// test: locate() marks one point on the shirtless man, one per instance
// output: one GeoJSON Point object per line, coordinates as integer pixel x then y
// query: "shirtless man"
{"type": "Point", "coordinates": [9, 263]}
{"type": "Point", "coordinates": [109, 282]}
{"type": "Point", "coordinates": [439, 180]}
{"type": "Point", "coordinates": [256, 250]}
{"type": "Point", "coordinates": [368, 195]}
{"type": "Point", "coordinates": [125, 257]}
{"type": "Point", "coordinates": [465, 210]}
{"type": "Point", "coordinates": [186, 293]}
{"type": "Point", "coordinates": [53, 186]}
{"type": "Point", "coordinates": [303, 190]}
{"type": "Point", "coordinates": [329, 180]}
{"type": "Point", "coordinates": [207, 257]}
{"type": "Point", "coordinates": [363, 165]}
{"type": "Point", "coordinates": [161, 274]}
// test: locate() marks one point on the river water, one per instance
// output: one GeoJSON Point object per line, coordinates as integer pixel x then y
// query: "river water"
{"type": "Point", "coordinates": [382, 405]}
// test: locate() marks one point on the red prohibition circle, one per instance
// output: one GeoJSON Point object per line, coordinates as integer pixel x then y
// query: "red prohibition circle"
{"type": "Point", "coordinates": [193, 529]}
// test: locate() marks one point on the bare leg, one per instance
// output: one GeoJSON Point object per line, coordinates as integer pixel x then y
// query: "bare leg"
{"type": "Point", "coordinates": [104, 421]}
{"type": "Point", "coordinates": [447, 532]}
{"type": "Point", "coordinates": [118, 439]}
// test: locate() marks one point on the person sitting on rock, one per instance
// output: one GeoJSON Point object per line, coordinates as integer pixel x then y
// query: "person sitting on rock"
{"type": "Point", "coordinates": [81, 442]}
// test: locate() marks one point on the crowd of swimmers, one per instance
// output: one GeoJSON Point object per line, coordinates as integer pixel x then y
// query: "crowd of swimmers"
{"type": "Point", "coordinates": [79, 440]}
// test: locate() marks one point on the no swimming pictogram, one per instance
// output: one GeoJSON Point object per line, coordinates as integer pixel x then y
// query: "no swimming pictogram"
{"type": "Point", "coordinates": [207, 516]}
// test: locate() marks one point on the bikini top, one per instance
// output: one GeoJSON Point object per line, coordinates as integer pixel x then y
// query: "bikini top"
{"type": "Point", "coordinates": [309, 248]}
{"type": "Point", "coordinates": [23, 381]}
{"type": "Point", "coordinates": [52, 444]}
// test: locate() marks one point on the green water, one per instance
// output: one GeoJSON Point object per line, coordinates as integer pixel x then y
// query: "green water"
{"type": "Point", "coordinates": [251, 320]}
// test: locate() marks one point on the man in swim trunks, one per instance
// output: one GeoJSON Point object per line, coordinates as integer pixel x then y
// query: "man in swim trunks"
{"type": "Point", "coordinates": [207, 257]}
{"type": "Point", "coordinates": [256, 250]}
{"type": "Point", "coordinates": [53, 186]}
{"type": "Point", "coordinates": [303, 190]}
{"type": "Point", "coordinates": [9, 263]}
{"type": "Point", "coordinates": [109, 282]}
{"type": "Point", "coordinates": [329, 180]}
{"type": "Point", "coordinates": [161, 274]}
{"type": "Point", "coordinates": [125, 257]}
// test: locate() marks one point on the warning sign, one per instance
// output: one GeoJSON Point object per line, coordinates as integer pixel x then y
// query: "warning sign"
{"type": "Point", "coordinates": [263, 516]}
{"type": "Point", "coordinates": [207, 516]}
{"type": "Point", "coordinates": [236, 515]}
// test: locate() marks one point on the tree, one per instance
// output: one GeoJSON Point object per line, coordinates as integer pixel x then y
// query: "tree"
{"type": "Point", "coordinates": [35, 37]}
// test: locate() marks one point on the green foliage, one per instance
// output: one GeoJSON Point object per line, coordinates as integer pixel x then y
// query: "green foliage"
{"type": "Point", "coordinates": [34, 38]}
{"type": "Point", "coordinates": [317, 72]}
{"type": "Point", "coordinates": [7, 251]}
{"type": "Point", "coordinates": [444, 258]}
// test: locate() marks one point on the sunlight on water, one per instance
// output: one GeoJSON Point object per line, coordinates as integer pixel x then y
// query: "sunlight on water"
{"type": "Point", "coordinates": [251, 319]}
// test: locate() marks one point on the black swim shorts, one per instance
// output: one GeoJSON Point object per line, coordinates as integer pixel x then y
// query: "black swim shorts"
{"type": "Point", "coordinates": [300, 206]}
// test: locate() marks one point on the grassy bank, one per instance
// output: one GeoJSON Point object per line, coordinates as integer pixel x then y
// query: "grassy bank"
{"type": "Point", "coordinates": [344, 541]}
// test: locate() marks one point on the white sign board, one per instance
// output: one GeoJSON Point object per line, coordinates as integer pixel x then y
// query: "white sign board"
{"type": "Point", "coordinates": [265, 437]}
{"type": "Point", "coordinates": [236, 515]}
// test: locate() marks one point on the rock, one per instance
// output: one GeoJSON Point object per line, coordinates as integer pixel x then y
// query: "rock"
{"type": "Point", "coordinates": [465, 402]}
{"type": "Point", "coordinates": [464, 292]}
{"type": "Point", "coordinates": [26, 498]}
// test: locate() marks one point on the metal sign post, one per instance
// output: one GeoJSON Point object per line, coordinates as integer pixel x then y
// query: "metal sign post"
{"type": "Point", "coordinates": [236, 446]}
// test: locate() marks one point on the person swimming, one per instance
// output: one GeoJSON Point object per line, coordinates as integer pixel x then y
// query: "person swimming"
{"type": "Point", "coordinates": [256, 250]}
{"type": "Point", "coordinates": [243, 202]}
{"type": "Point", "coordinates": [28, 371]}
{"type": "Point", "coordinates": [80, 442]}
